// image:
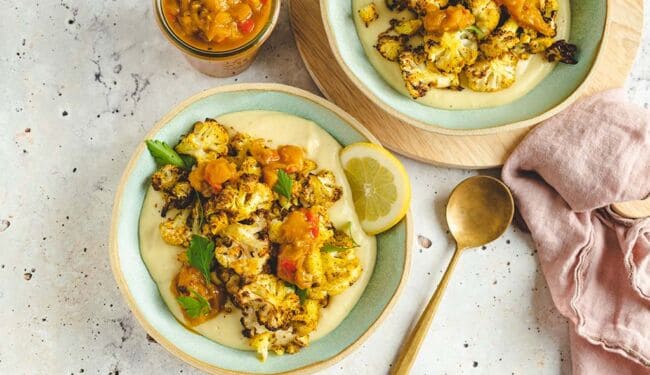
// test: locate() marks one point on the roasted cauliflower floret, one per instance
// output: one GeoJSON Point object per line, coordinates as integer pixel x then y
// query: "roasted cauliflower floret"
{"type": "Point", "coordinates": [271, 301]}
{"type": "Point", "coordinates": [501, 41]}
{"type": "Point", "coordinates": [340, 269]}
{"type": "Point", "coordinates": [242, 199]}
{"type": "Point", "coordinates": [389, 46]}
{"type": "Point", "coordinates": [419, 79]}
{"type": "Point", "coordinates": [491, 75]}
{"type": "Point", "coordinates": [453, 51]}
{"type": "Point", "coordinates": [175, 230]}
{"type": "Point", "coordinates": [245, 248]}
{"type": "Point", "coordinates": [250, 166]}
{"type": "Point", "coordinates": [486, 13]}
{"type": "Point", "coordinates": [563, 52]}
{"type": "Point", "coordinates": [423, 6]}
{"type": "Point", "coordinates": [320, 189]}
{"type": "Point", "coordinates": [368, 13]}
{"type": "Point", "coordinates": [306, 320]}
{"type": "Point", "coordinates": [167, 176]}
{"type": "Point", "coordinates": [280, 341]}
{"type": "Point", "coordinates": [207, 141]}
{"type": "Point", "coordinates": [215, 223]}
{"type": "Point", "coordinates": [406, 27]}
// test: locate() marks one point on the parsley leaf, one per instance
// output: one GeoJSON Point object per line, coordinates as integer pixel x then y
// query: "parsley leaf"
{"type": "Point", "coordinates": [200, 254]}
{"type": "Point", "coordinates": [200, 209]}
{"type": "Point", "coordinates": [283, 186]}
{"type": "Point", "coordinates": [194, 306]}
{"type": "Point", "coordinates": [163, 154]}
{"type": "Point", "coordinates": [189, 161]}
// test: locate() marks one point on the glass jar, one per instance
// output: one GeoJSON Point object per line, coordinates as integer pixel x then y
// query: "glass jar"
{"type": "Point", "coordinates": [219, 63]}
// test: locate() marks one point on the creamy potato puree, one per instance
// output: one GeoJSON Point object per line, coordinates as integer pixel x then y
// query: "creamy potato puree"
{"type": "Point", "coordinates": [280, 129]}
{"type": "Point", "coordinates": [529, 72]}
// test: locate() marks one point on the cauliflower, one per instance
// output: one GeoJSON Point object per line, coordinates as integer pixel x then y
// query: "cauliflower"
{"type": "Point", "coordinates": [419, 79]}
{"type": "Point", "coordinates": [279, 341]}
{"type": "Point", "coordinates": [340, 270]}
{"type": "Point", "coordinates": [489, 75]}
{"type": "Point", "coordinates": [562, 51]}
{"type": "Point", "coordinates": [453, 51]}
{"type": "Point", "coordinates": [422, 6]}
{"type": "Point", "coordinates": [207, 141]}
{"type": "Point", "coordinates": [406, 27]}
{"type": "Point", "coordinates": [175, 230]}
{"type": "Point", "coordinates": [240, 144]}
{"type": "Point", "coordinates": [165, 178]}
{"type": "Point", "coordinates": [389, 46]}
{"type": "Point", "coordinates": [214, 223]}
{"type": "Point", "coordinates": [270, 300]}
{"type": "Point", "coordinates": [319, 189]}
{"type": "Point", "coordinates": [250, 166]}
{"type": "Point", "coordinates": [242, 199]}
{"type": "Point", "coordinates": [368, 13]}
{"type": "Point", "coordinates": [306, 320]}
{"type": "Point", "coordinates": [486, 13]}
{"type": "Point", "coordinates": [501, 41]}
{"type": "Point", "coordinates": [245, 248]}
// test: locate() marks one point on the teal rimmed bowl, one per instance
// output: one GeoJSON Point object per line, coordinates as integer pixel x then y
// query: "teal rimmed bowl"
{"type": "Point", "coordinates": [547, 98]}
{"type": "Point", "coordinates": [141, 293]}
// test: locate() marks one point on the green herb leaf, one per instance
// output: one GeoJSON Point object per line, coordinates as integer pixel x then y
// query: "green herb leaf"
{"type": "Point", "coordinates": [188, 161]}
{"type": "Point", "coordinates": [283, 186]}
{"type": "Point", "coordinates": [194, 306]}
{"type": "Point", "coordinates": [163, 154]}
{"type": "Point", "coordinates": [328, 248]}
{"type": "Point", "coordinates": [476, 30]}
{"type": "Point", "coordinates": [302, 294]}
{"type": "Point", "coordinates": [200, 254]}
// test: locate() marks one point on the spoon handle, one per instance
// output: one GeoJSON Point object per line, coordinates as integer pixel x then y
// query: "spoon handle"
{"type": "Point", "coordinates": [409, 350]}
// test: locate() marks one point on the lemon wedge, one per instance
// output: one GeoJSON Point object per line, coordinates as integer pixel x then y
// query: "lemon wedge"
{"type": "Point", "coordinates": [381, 189]}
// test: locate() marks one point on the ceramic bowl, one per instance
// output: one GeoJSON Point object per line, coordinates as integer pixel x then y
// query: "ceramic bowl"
{"type": "Point", "coordinates": [141, 293]}
{"type": "Point", "coordinates": [548, 97]}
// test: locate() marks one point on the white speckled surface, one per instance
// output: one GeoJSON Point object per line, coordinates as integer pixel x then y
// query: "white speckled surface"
{"type": "Point", "coordinates": [89, 79]}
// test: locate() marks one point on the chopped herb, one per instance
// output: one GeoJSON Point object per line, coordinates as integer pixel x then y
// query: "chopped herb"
{"type": "Point", "coordinates": [328, 248]}
{"type": "Point", "coordinates": [283, 186]}
{"type": "Point", "coordinates": [163, 154]}
{"type": "Point", "coordinates": [200, 254]}
{"type": "Point", "coordinates": [476, 30]}
{"type": "Point", "coordinates": [194, 306]}
{"type": "Point", "coordinates": [188, 161]}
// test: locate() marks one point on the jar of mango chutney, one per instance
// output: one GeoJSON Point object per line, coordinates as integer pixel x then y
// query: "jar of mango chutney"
{"type": "Point", "coordinates": [219, 38]}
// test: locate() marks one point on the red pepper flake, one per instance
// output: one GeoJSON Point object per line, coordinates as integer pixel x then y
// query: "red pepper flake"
{"type": "Point", "coordinates": [246, 26]}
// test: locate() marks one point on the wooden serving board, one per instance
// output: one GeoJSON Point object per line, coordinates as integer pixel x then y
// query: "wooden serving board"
{"type": "Point", "coordinates": [472, 149]}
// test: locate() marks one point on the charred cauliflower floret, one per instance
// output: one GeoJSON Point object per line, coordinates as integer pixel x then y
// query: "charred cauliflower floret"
{"type": "Point", "coordinates": [249, 166]}
{"type": "Point", "coordinates": [406, 27]}
{"type": "Point", "coordinates": [165, 178]}
{"type": "Point", "coordinates": [423, 6]}
{"type": "Point", "coordinates": [389, 46]}
{"type": "Point", "coordinates": [340, 270]}
{"type": "Point", "coordinates": [245, 248]}
{"type": "Point", "coordinates": [242, 199]}
{"type": "Point", "coordinates": [270, 300]}
{"type": "Point", "coordinates": [320, 189]}
{"type": "Point", "coordinates": [419, 79]}
{"type": "Point", "coordinates": [487, 14]}
{"type": "Point", "coordinates": [215, 223]}
{"type": "Point", "coordinates": [280, 341]}
{"type": "Point", "coordinates": [207, 141]}
{"type": "Point", "coordinates": [175, 230]}
{"type": "Point", "coordinates": [307, 319]}
{"type": "Point", "coordinates": [368, 13]}
{"type": "Point", "coordinates": [453, 51]}
{"type": "Point", "coordinates": [563, 52]}
{"type": "Point", "coordinates": [492, 74]}
{"type": "Point", "coordinates": [501, 40]}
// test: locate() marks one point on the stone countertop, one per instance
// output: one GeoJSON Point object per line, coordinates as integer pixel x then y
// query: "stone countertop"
{"type": "Point", "coordinates": [82, 84]}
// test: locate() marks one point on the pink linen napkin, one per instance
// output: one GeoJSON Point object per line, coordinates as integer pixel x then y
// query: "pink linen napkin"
{"type": "Point", "coordinates": [564, 175]}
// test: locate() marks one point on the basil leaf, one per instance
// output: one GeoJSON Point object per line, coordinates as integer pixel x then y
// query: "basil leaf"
{"type": "Point", "coordinates": [200, 254]}
{"type": "Point", "coordinates": [194, 306]}
{"type": "Point", "coordinates": [163, 154]}
{"type": "Point", "coordinates": [283, 186]}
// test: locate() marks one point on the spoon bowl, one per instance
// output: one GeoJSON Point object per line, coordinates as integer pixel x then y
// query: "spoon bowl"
{"type": "Point", "coordinates": [479, 210]}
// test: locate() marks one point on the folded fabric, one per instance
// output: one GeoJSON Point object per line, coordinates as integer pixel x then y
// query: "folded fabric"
{"type": "Point", "coordinates": [564, 175]}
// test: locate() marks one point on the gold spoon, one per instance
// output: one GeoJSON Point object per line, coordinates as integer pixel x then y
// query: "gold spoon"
{"type": "Point", "coordinates": [479, 210]}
